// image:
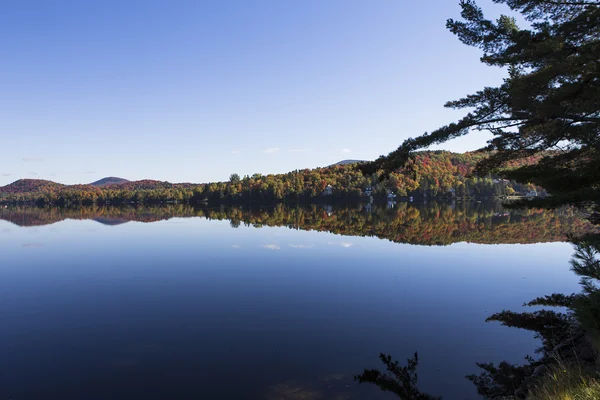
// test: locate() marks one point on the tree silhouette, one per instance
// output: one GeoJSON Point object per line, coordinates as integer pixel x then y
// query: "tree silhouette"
{"type": "Point", "coordinates": [550, 99]}
{"type": "Point", "coordinates": [400, 380]}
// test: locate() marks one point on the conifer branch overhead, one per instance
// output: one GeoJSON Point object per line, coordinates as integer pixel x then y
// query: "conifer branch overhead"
{"type": "Point", "coordinates": [549, 103]}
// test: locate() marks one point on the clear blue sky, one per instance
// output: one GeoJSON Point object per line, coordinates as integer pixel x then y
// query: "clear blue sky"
{"type": "Point", "coordinates": [192, 91]}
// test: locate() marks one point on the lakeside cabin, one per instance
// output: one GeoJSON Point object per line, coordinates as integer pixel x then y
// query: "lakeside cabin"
{"type": "Point", "coordinates": [531, 193]}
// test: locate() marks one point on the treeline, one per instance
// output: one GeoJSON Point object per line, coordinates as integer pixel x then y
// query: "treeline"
{"type": "Point", "coordinates": [437, 174]}
{"type": "Point", "coordinates": [431, 224]}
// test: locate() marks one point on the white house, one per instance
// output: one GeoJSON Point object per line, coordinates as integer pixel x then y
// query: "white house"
{"type": "Point", "coordinates": [531, 193]}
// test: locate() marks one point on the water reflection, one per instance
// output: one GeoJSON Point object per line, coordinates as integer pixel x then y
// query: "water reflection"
{"type": "Point", "coordinates": [171, 310]}
{"type": "Point", "coordinates": [399, 380]}
{"type": "Point", "coordinates": [566, 363]}
{"type": "Point", "coordinates": [569, 329]}
{"type": "Point", "coordinates": [422, 224]}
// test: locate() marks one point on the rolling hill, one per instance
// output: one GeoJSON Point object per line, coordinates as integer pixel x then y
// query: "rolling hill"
{"type": "Point", "coordinates": [427, 174]}
{"type": "Point", "coordinates": [110, 180]}
{"type": "Point", "coordinates": [31, 186]}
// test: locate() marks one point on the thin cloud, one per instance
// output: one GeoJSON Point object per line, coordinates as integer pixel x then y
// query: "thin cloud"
{"type": "Point", "coordinates": [89, 172]}
{"type": "Point", "coordinates": [302, 246]}
{"type": "Point", "coordinates": [272, 150]}
{"type": "Point", "coordinates": [32, 159]}
{"type": "Point", "coordinates": [272, 246]}
{"type": "Point", "coordinates": [345, 150]}
{"type": "Point", "coordinates": [235, 151]}
{"type": "Point", "coordinates": [6, 174]}
{"type": "Point", "coordinates": [343, 244]}
{"type": "Point", "coordinates": [302, 150]}
{"type": "Point", "coordinates": [236, 246]}
{"type": "Point", "coordinates": [33, 173]}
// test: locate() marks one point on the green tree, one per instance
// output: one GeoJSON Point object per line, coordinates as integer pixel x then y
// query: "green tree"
{"type": "Point", "coordinates": [549, 103]}
{"type": "Point", "coordinates": [548, 106]}
{"type": "Point", "coordinates": [234, 178]}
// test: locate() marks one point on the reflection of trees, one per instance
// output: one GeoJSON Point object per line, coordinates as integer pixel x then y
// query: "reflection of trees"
{"type": "Point", "coordinates": [431, 224]}
{"type": "Point", "coordinates": [568, 327]}
{"type": "Point", "coordinates": [570, 336]}
{"type": "Point", "coordinates": [402, 381]}
{"type": "Point", "coordinates": [37, 216]}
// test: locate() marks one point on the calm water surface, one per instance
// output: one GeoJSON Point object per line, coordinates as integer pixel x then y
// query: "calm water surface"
{"type": "Point", "coordinates": [100, 303]}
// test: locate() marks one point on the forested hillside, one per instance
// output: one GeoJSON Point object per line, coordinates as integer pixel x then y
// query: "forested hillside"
{"type": "Point", "coordinates": [31, 186]}
{"type": "Point", "coordinates": [438, 174]}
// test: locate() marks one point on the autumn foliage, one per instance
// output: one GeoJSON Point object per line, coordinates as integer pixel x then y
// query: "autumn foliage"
{"type": "Point", "coordinates": [432, 174]}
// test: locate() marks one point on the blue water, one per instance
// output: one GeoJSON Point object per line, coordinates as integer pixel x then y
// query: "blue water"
{"type": "Point", "coordinates": [190, 308]}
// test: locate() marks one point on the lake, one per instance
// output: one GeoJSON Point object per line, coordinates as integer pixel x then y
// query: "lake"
{"type": "Point", "coordinates": [269, 303]}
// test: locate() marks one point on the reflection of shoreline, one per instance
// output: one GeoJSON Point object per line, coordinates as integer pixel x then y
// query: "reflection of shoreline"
{"type": "Point", "coordinates": [430, 224]}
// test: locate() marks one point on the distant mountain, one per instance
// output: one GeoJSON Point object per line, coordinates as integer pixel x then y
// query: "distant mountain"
{"type": "Point", "coordinates": [31, 186]}
{"type": "Point", "coordinates": [39, 186]}
{"type": "Point", "coordinates": [111, 180]}
{"type": "Point", "coordinates": [345, 162]}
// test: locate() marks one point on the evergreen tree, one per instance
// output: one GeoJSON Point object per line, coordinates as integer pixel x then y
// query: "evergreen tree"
{"type": "Point", "coordinates": [234, 178]}
{"type": "Point", "coordinates": [549, 104]}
